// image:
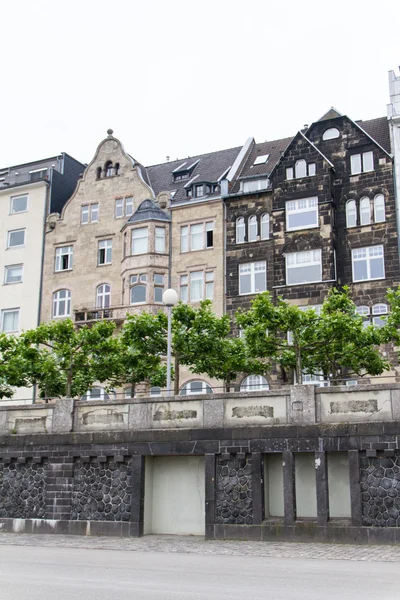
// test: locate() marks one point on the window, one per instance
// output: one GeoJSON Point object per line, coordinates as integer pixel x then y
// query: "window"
{"type": "Point", "coordinates": [199, 191]}
{"type": "Point", "coordinates": [196, 286]}
{"type": "Point", "coordinates": [158, 287]}
{"type": "Point", "coordinates": [195, 387]}
{"type": "Point", "coordinates": [254, 185]}
{"type": "Point", "coordinates": [331, 134]}
{"type": "Point", "coordinates": [160, 239]}
{"type": "Point", "coordinates": [289, 173]}
{"type": "Point", "coordinates": [312, 169]}
{"type": "Point", "coordinates": [379, 209]}
{"type": "Point", "coordinates": [85, 214]}
{"type": "Point", "coordinates": [240, 230]}
{"type": "Point", "coordinates": [62, 303]}
{"type": "Point", "coordinates": [155, 391]}
{"type": "Point", "coordinates": [139, 240]}
{"type": "Point", "coordinates": [361, 163]}
{"type": "Point", "coordinates": [104, 254]}
{"type": "Point", "coordinates": [64, 258]}
{"type": "Point", "coordinates": [123, 206]}
{"type": "Point", "coordinates": [377, 311]}
{"type": "Point", "coordinates": [197, 237]}
{"type": "Point", "coordinates": [303, 267]}
{"type": "Point", "coordinates": [368, 263]}
{"type": "Point", "coordinates": [10, 320]}
{"type": "Point", "coordinates": [363, 311]}
{"type": "Point", "coordinates": [19, 204]}
{"type": "Point", "coordinates": [300, 169]}
{"type": "Point", "coordinates": [315, 379]}
{"type": "Point", "coordinates": [37, 174]}
{"type": "Point", "coordinates": [138, 294]}
{"type": "Point", "coordinates": [98, 393]}
{"type": "Point", "coordinates": [209, 285]}
{"type": "Point", "coordinates": [183, 288]}
{"type": "Point", "coordinates": [365, 211]}
{"type": "Point", "coordinates": [351, 213]}
{"type": "Point", "coordinates": [94, 213]}
{"type": "Point", "coordinates": [253, 228]}
{"type": "Point", "coordinates": [89, 210]}
{"type": "Point", "coordinates": [265, 227]}
{"type": "Point", "coordinates": [254, 383]}
{"type": "Point", "coordinates": [13, 274]}
{"type": "Point", "coordinates": [16, 238]}
{"type": "Point", "coordinates": [302, 214]}
{"type": "Point", "coordinates": [103, 296]}
{"type": "Point", "coordinates": [252, 278]}
{"type": "Point", "coordinates": [316, 307]}
{"type": "Point", "coordinates": [261, 160]}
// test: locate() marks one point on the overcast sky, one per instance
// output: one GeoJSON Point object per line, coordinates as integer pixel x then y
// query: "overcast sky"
{"type": "Point", "coordinates": [178, 78]}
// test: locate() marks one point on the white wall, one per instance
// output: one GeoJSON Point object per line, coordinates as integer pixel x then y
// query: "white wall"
{"type": "Point", "coordinates": [273, 490]}
{"type": "Point", "coordinates": [175, 502]}
{"type": "Point", "coordinates": [339, 485]}
{"type": "Point", "coordinates": [25, 295]}
{"type": "Point", "coordinates": [306, 494]}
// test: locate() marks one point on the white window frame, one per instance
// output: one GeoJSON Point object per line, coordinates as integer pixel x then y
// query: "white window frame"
{"type": "Point", "coordinates": [187, 236]}
{"type": "Point", "coordinates": [141, 284]}
{"type": "Point", "coordinates": [379, 198]}
{"type": "Point", "coordinates": [187, 388]}
{"type": "Point", "coordinates": [64, 251]}
{"type": "Point", "coordinates": [300, 167]}
{"type": "Point", "coordinates": [94, 212]}
{"type": "Point", "coordinates": [295, 207]}
{"type": "Point", "coordinates": [184, 288]}
{"type": "Point", "coordinates": [351, 212]}
{"type": "Point", "coordinates": [254, 185]}
{"type": "Point", "coordinates": [159, 242]}
{"type": "Point", "coordinates": [252, 225]}
{"type": "Point", "coordinates": [254, 383]}
{"type": "Point", "coordinates": [330, 134]}
{"type": "Point", "coordinates": [119, 208]}
{"type": "Point", "coordinates": [157, 285]}
{"type": "Point", "coordinates": [378, 310]}
{"type": "Point", "coordinates": [145, 235]}
{"type": "Point", "coordinates": [17, 212]}
{"type": "Point", "coordinates": [57, 302]}
{"type": "Point", "coordinates": [265, 226]}
{"type": "Point", "coordinates": [296, 264]}
{"type": "Point", "coordinates": [10, 232]}
{"type": "Point", "coordinates": [105, 245]}
{"type": "Point", "coordinates": [252, 272]}
{"type": "Point", "coordinates": [5, 312]}
{"type": "Point", "coordinates": [194, 277]}
{"type": "Point", "coordinates": [103, 296]}
{"type": "Point", "coordinates": [357, 162]}
{"type": "Point", "coordinates": [365, 211]}
{"type": "Point", "coordinates": [369, 251]}
{"type": "Point", "coordinates": [8, 269]}
{"type": "Point", "coordinates": [240, 227]}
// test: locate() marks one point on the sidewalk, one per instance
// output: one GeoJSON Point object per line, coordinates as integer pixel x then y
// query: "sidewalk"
{"type": "Point", "coordinates": [197, 545]}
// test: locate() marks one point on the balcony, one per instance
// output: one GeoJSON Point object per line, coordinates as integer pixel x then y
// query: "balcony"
{"type": "Point", "coordinates": [91, 314]}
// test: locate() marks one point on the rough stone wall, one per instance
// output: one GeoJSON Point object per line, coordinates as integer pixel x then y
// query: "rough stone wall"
{"type": "Point", "coordinates": [234, 497]}
{"type": "Point", "coordinates": [101, 491]}
{"type": "Point", "coordinates": [22, 490]}
{"type": "Point", "coordinates": [380, 491]}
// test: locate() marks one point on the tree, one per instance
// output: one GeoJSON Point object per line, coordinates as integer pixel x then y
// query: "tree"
{"type": "Point", "coordinates": [331, 343]}
{"type": "Point", "coordinates": [11, 369]}
{"type": "Point", "coordinates": [66, 361]}
{"type": "Point", "coordinates": [140, 350]}
{"type": "Point", "coordinates": [204, 342]}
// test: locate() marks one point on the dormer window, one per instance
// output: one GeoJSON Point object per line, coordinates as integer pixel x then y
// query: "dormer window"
{"type": "Point", "coordinates": [254, 185]}
{"type": "Point", "coordinates": [199, 189]}
{"type": "Point", "coordinates": [189, 192]}
{"type": "Point", "coordinates": [181, 175]}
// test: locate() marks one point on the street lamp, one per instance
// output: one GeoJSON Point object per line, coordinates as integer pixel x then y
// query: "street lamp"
{"type": "Point", "coordinates": [169, 298]}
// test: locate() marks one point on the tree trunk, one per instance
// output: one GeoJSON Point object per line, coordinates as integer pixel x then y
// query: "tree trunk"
{"type": "Point", "coordinates": [69, 383]}
{"type": "Point", "coordinates": [176, 374]}
{"type": "Point", "coordinates": [133, 390]}
{"type": "Point", "coordinates": [299, 370]}
{"type": "Point", "coordinates": [228, 384]}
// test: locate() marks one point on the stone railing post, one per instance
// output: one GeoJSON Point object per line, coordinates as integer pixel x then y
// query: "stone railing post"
{"type": "Point", "coordinates": [302, 404]}
{"type": "Point", "coordinates": [63, 416]}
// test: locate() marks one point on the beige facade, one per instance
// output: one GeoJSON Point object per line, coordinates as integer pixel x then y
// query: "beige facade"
{"type": "Point", "coordinates": [88, 249]}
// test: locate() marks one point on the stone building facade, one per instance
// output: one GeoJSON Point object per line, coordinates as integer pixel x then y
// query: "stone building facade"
{"type": "Point", "coordinates": [313, 212]}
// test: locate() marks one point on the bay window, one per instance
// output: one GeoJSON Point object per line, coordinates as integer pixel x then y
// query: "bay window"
{"type": "Point", "coordinates": [140, 240]}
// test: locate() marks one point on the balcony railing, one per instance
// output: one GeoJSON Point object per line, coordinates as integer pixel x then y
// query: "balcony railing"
{"type": "Point", "coordinates": [91, 313]}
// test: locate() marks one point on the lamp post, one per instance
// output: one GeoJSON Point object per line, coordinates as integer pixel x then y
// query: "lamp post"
{"type": "Point", "coordinates": [169, 298]}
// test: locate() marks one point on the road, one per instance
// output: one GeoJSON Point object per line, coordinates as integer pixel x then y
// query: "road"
{"type": "Point", "coordinates": [68, 573]}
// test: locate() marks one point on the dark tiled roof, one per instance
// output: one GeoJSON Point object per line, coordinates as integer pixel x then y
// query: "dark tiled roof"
{"type": "Point", "coordinates": [209, 168]}
{"type": "Point", "coordinates": [378, 129]}
{"type": "Point", "coordinates": [148, 211]}
{"type": "Point", "coordinates": [274, 149]}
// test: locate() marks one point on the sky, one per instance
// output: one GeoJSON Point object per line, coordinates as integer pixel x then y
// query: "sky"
{"type": "Point", "coordinates": [178, 78]}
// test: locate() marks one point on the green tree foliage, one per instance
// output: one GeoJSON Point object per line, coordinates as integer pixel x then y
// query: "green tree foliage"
{"type": "Point", "coordinates": [332, 343]}
{"type": "Point", "coordinates": [66, 361]}
{"type": "Point", "coordinates": [12, 371]}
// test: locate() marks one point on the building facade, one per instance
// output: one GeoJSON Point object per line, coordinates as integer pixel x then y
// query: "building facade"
{"type": "Point", "coordinates": [28, 192]}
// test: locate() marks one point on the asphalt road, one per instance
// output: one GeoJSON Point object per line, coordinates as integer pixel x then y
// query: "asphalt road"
{"type": "Point", "coordinates": [40, 573]}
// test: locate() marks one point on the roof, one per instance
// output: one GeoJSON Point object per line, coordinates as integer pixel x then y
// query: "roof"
{"type": "Point", "coordinates": [208, 168]}
{"type": "Point", "coordinates": [148, 211]}
{"type": "Point", "coordinates": [378, 129]}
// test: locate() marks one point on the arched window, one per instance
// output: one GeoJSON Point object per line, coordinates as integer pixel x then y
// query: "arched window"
{"type": "Point", "coordinates": [300, 169]}
{"type": "Point", "coordinates": [364, 311]}
{"type": "Point", "coordinates": [265, 227]}
{"type": "Point", "coordinates": [195, 387]}
{"type": "Point", "coordinates": [331, 134]}
{"type": "Point", "coordinates": [377, 311]}
{"type": "Point", "coordinates": [253, 228]}
{"type": "Point", "coordinates": [138, 294]}
{"type": "Point", "coordinates": [116, 169]}
{"type": "Point", "coordinates": [254, 383]}
{"type": "Point", "coordinates": [98, 393]}
{"type": "Point", "coordinates": [365, 211]}
{"type": "Point", "coordinates": [240, 230]}
{"type": "Point", "coordinates": [62, 303]}
{"type": "Point", "coordinates": [351, 214]}
{"type": "Point", "coordinates": [155, 391]}
{"type": "Point", "coordinates": [108, 169]}
{"type": "Point", "coordinates": [98, 172]}
{"type": "Point", "coordinates": [103, 296]}
{"type": "Point", "coordinates": [379, 208]}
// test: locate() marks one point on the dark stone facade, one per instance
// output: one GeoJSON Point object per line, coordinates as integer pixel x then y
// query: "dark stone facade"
{"type": "Point", "coordinates": [234, 496]}
{"type": "Point", "coordinates": [380, 486]}
{"type": "Point", "coordinates": [101, 491]}
{"type": "Point", "coordinates": [22, 490]}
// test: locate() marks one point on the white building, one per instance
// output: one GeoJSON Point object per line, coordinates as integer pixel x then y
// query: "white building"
{"type": "Point", "coordinates": [394, 126]}
{"type": "Point", "coordinates": [27, 194]}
